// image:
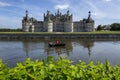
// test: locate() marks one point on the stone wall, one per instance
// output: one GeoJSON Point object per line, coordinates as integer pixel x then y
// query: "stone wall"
{"type": "Point", "coordinates": [41, 36]}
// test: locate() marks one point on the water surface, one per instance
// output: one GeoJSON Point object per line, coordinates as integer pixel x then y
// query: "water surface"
{"type": "Point", "coordinates": [12, 52]}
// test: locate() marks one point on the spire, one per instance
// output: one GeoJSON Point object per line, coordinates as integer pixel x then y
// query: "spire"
{"type": "Point", "coordinates": [48, 12]}
{"type": "Point", "coordinates": [44, 16]}
{"type": "Point", "coordinates": [26, 13]}
{"type": "Point", "coordinates": [89, 16]}
{"type": "Point", "coordinates": [58, 12]}
{"type": "Point", "coordinates": [68, 12]}
{"type": "Point", "coordinates": [26, 17]}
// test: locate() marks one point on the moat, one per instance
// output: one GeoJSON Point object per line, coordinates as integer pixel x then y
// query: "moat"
{"type": "Point", "coordinates": [12, 52]}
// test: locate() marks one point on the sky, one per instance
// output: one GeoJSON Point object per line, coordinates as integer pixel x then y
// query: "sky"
{"type": "Point", "coordinates": [104, 12]}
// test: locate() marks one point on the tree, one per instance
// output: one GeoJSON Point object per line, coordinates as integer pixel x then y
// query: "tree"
{"type": "Point", "coordinates": [10, 30]}
{"type": "Point", "coordinates": [115, 27]}
{"type": "Point", "coordinates": [99, 28]}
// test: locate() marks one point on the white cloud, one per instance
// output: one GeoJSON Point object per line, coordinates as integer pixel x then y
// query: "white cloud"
{"type": "Point", "coordinates": [62, 7]}
{"type": "Point", "coordinates": [107, 0]}
{"type": "Point", "coordinates": [3, 4]}
{"type": "Point", "coordinates": [60, 1]}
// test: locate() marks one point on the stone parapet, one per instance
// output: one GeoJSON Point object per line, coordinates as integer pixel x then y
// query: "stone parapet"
{"type": "Point", "coordinates": [42, 36]}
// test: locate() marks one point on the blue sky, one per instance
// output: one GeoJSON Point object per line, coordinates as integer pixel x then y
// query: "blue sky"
{"type": "Point", "coordinates": [103, 11]}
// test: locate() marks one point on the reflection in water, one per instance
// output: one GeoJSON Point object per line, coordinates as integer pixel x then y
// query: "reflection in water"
{"type": "Point", "coordinates": [87, 44]}
{"type": "Point", "coordinates": [26, 48]}
{"type": "Point", "coordinates": [75, 49]}
{"type": "Point", "coordinates": [59, 51]}
{"type": "Point", "coordinates": [66, 50]}
{"type": "Point", "coordinates": [34, 49]}
{"type": "Point", "coordinates": [29, 46]}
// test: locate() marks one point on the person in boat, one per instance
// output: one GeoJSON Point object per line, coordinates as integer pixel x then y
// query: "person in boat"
{"type": "Point", "coordinates": [58, 42]}
{"type": "Point", "coordinates": [51, 43]}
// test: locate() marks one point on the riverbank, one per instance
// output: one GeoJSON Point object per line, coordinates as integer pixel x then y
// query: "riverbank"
{"type": "Point", "coordinates": [29, 35]}
{"type": "Point", "coordinates": [96, 32]}
{"type": "Point", "coordinates": [39, 35]}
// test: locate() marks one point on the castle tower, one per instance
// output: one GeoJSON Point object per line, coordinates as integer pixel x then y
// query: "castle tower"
{"type": "Point", "coordinates": [89, 23]}
{"type": "Point", "coordinates": [68, 23]}
{"type": "Point", "coordinates": [49, 25]}
{"type": "Point", "coordinates": [31, 28]}
{"type": "Point", "coordinates": [68, 26]}
{"type": "Point", "coordinates": [25, 23]}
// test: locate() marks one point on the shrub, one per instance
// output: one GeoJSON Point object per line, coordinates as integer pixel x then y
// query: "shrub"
{"type": "Point", "coordinates": [63, 69]}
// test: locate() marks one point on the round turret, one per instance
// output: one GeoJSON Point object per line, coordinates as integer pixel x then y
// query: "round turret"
{"type": "Point", "coordinates": [31, 29]}
{"type": "Point", "coordinates": [25, 23]}
{"type": "Point", "coordinates": [68, 27]}
{"type": "Point", "coordinates": [25, 27]}
{"type": "Point", "coordinates": [50, 26]}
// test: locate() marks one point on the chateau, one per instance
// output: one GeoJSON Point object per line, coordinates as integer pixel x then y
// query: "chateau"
{"type": "Point", "coordinates": [57, 22]}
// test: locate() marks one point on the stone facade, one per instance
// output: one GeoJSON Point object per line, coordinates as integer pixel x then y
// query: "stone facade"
{"type": "Point", "coordinates": [57, 22]}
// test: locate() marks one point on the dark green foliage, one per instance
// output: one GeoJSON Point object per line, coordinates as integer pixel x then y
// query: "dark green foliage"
{"type": "Point", "coordinates": [112, 27]}
{"type": "Point", "coordinates": [10, 30]}
{"type": "Point", "coordinates": [99, 28]}
{"type": "Point", "coordinates": [115, 27]}
{"type": "Point", "coordinates": [63, 69]}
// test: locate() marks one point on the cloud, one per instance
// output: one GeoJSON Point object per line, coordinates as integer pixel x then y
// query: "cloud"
{"type": "Point", "coordinates": [60, 1]}
{"type": "Point", "coordinates": [62, 6]}
{"type": "Point", "coordinates": [107, 0]}
{"type": "Point", "coordinates": [3, 4]}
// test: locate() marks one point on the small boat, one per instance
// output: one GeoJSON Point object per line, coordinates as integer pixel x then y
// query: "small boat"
{"type": "Point", "coordinates": [56, 45]}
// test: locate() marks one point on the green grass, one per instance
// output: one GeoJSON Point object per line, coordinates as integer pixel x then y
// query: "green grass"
{"type": "Point", "coordinates": [63, 69]}
{"type": "Point", "coordinates": [97, 32]}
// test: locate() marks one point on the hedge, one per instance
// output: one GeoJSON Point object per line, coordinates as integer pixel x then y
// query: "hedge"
{"type": "Point", "coordinates": [63, 69]}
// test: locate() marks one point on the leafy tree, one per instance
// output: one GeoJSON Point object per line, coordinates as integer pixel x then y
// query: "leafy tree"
{"type": "Point", "coordinates": [115, 27]}
{"type": "Point", "coordinates": [99, 28]}
{"type": "Point", "coordinates": [10, 30]}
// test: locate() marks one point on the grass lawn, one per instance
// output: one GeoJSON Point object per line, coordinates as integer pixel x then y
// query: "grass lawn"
{"type": "Point", "coordinates": [96, 32]}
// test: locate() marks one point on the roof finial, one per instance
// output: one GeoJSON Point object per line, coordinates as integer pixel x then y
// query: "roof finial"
{"type": "Point", "coordinates": [89, 14]}
{"type": "Point", "coordinates": [68, 12]}
{"type": "Point", "coordinates": [58, 12]}
{"type": "Point", "coordinates": [48, 12]}
{"type": "Point", "coordinates": [26, 13]}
